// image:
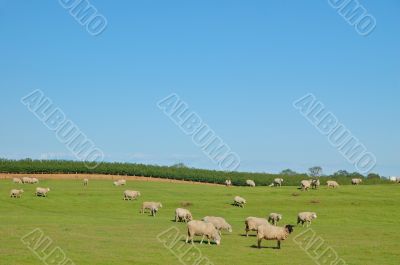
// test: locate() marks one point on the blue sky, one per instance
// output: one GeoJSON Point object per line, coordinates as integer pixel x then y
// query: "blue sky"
{"type": "Point", "coordinates": [238, 64]}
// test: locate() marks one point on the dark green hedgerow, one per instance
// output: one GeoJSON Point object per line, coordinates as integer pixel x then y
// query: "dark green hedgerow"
{"type": "Point", "coordinates": [178, 173]}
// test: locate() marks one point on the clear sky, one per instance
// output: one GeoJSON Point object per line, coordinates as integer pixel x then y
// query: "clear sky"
{"type": "Point", "coordinates": [238, 64]}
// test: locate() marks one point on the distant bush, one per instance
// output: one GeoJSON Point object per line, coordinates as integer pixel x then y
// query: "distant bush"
{"type": "Point", "coordinates": [174, 172]}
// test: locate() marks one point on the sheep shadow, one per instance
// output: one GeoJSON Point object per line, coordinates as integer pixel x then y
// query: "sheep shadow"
{"type": "Point", "coordinates": [250, 235]}
{"type": "Point", "coordinates": [263, 247]}
{"type": "Point", "coordinates": [197, 242]}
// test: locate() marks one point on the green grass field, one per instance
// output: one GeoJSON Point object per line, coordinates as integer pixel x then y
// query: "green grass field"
{"type": "Point", "coordinates": [94, 225]}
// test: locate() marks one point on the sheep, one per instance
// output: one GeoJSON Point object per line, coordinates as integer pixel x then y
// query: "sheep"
{"type": "Point", "coordinates": [250, 183]}
{"type": "Point", "coordinates": [305, 184]}
{"type": "Point", "coordinates": [270, 232]}
{"type": "Point", "coordinates": [131, 194]}
{"type": "Point", "coordinates": [204, 229]}
{"type": "Point", "coordinates": [85, 182]}
{"type": "Point", "coordinates": [239, 201]}
{"type": "Point", "coordinates": [306, 217]}
{"type": "Point", "coordinates": [332, 184]}
{"type": "Point", "coordinates": [278, 182]}
{"type": "Point", "coordinates": [228, 183]}
{"type": "Point", "coordinates": [26, 180]}
{"type": "Point", "coordinates": [150, 206]}
{"type": "Point", "coordinates": [252, 223]}
{"type": "Point", "coordinates": [42, 191]}
{"type": "Point", "coordinates": [274, 218]}
{"type": "Point", "coordinates": [315, 183]}
{"type": "Point", "coordinates": [183, 215]}
{"type": "Point", "coordinates": [34, 180]}
{"type": "Point", "coordinates": [17, 180]}
{"type": "Point", "coordinates": [120, 182]}
{"type": "Point", "coordinates": [16, 193]}
{"type": "Point", "coordinates": [356, 181]}
{"type": "Point", "coordinates": [219, 223]}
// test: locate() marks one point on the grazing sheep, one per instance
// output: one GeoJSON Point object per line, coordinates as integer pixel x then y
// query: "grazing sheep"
{"type": "Point", "coordinates": [278, 182]}
{"type": "Point", "coordinates": [306, 217]}
{"type": "Point", "coordinates": [34, 180]}
{"type": "Point", "coordinates": [332, 184]}
{"type": "Point", "coordinates": [26, 180]}
{"type": "Point", "coordinates": [204, 229]}
{"type": "Point", "coordinates": [305, 184]}
{"type": "Point", "coordinates": [42, 192]}
{"type": "Point", "coordinates": [219, 223]}
{"type": "Point", "coordinates": [131, 195]}
{"type": "Point", "coordinates": [356, 181]}
{"type": "Point", "coordinates": [252, 223]}
{"type": "Point", "coordinates": [274, 218]}
{"type": "Point", "coordinates": [17, 180]}
{"type": "Point", "coordinates": [183, 215]}
{"type": "Point", "coordinates": [228, 183]}
{"type": "Point", "coordinates": [16, 193]}
{"type": "Point", "coordinates": [120, 182]}
{"type": "Point", "coordinates": [250, 183]}
{"type": "Point", "coordinates": [270, 232]}
{"type": "Point", "coordinates": [153, 211]}
{"type": "Point", "coordinates": [150, 206]}
{"type": "Point", "coordinates": [315, 183]}
{"type": "Point", "coordinates": [239, 201]}
{"type": "Point", "coordinates": [85, 182]}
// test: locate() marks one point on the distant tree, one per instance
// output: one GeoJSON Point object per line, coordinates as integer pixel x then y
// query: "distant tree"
{"type": "Point", "coordinates": [373, 176]}
{"type": "Point", "coordinates": [288, 172]}
{"type": "Point", "coordinates": [179, 165]}
{"type": "Point", "coordinates": [315, 171]}
{"type": "Point", "coordinates": [356, 175]}
{"type": "Point", "coordinates": [341, 173]}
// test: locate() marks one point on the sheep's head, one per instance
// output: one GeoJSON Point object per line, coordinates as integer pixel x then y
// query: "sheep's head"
{"type": "Point", "coordinates": [229, 228]}
{"type": "Point", "coordinates": [314, 215]}
{"type": "Point", "coordinates": [289, 228]}
{"type": "Point", "coordinates": [217, 237]}
{"type": "Point", "coordinates": [48, 189]}
{"type": "Point", "coordinates": [138, 193]}
{"type": "Point", "coordinates": [21, 190]}
{"type": "Point", "coordinates": [160, 205]}
{"type": "Point", "coordinates": [279, 217]}
{"type": "Point", "coordinates": [189, 217]}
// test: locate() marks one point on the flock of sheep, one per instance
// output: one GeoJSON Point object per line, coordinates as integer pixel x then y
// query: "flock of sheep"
{"type": "Point", "coordinates": [210, 227]}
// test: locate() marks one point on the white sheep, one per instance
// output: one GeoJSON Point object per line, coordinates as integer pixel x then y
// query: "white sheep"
{"type": "Point", "coordinates": [34, 180]}
{"type": "Point", "coordinates": [305, 184]}
{"type": "Point", "coordinates": [204, 229]}
{"type": "Point", "coordinates": [42, 191]}
{"type": "Point", "coordinates": [17, 180]}
{"type": "Point", "coordinates": [119, 182]}
{"type": "Point", "coordinates": [219, 223]}
{"type": "Point", "coordinates": [85, 182]}
{"type": "Point", "coordinates": [315, 183]}
{"type": "Point", "coordinates": [250, 183]}
{"type": "Point", "coordinates": [228, 183]}
{"type": "Point", "coordinates": [332, 184]}
{"type": "Point", "coordinates": [14, 193]}
{"type": "Point", "coordinates": [26, 180]}
{"type": "Point", "coordinates": [252, 223]}
{"type": "Point", "coordinates": [274, 218]}
{"type": "Point", "coordinates": [183, 215]}
{"type": "Point", "coordinates": [306, 217]}
{"type": "Point", "coordinates": [131, 194]}
{"type": "Point", "coordinates": [152, 206]}
{"type": "Point", "coordinates": [239, 201]}
{"type": "Point", "coordinates": [278, 182]}
{"type": "Point", "coordinates": [271, 232]}
{"type": "Point", "coordinates": [356, 181]}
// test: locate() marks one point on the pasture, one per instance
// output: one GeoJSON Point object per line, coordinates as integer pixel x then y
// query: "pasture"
{"type": "Point", "coordinates": [93, 225]}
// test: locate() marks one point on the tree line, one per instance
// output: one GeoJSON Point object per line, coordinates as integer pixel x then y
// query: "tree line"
{"type": "Point", "coordinates": [179, 172]}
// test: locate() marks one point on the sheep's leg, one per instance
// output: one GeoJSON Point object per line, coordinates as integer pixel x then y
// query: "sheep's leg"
{"type": "Point", "coordinates": [247, 231]}
{"type": "Point", "coordinates": [279, 244]}
{"type": "Point", "coordinates": [201, 242]}
{"type": "Point", "coordinates": [259, 242]}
